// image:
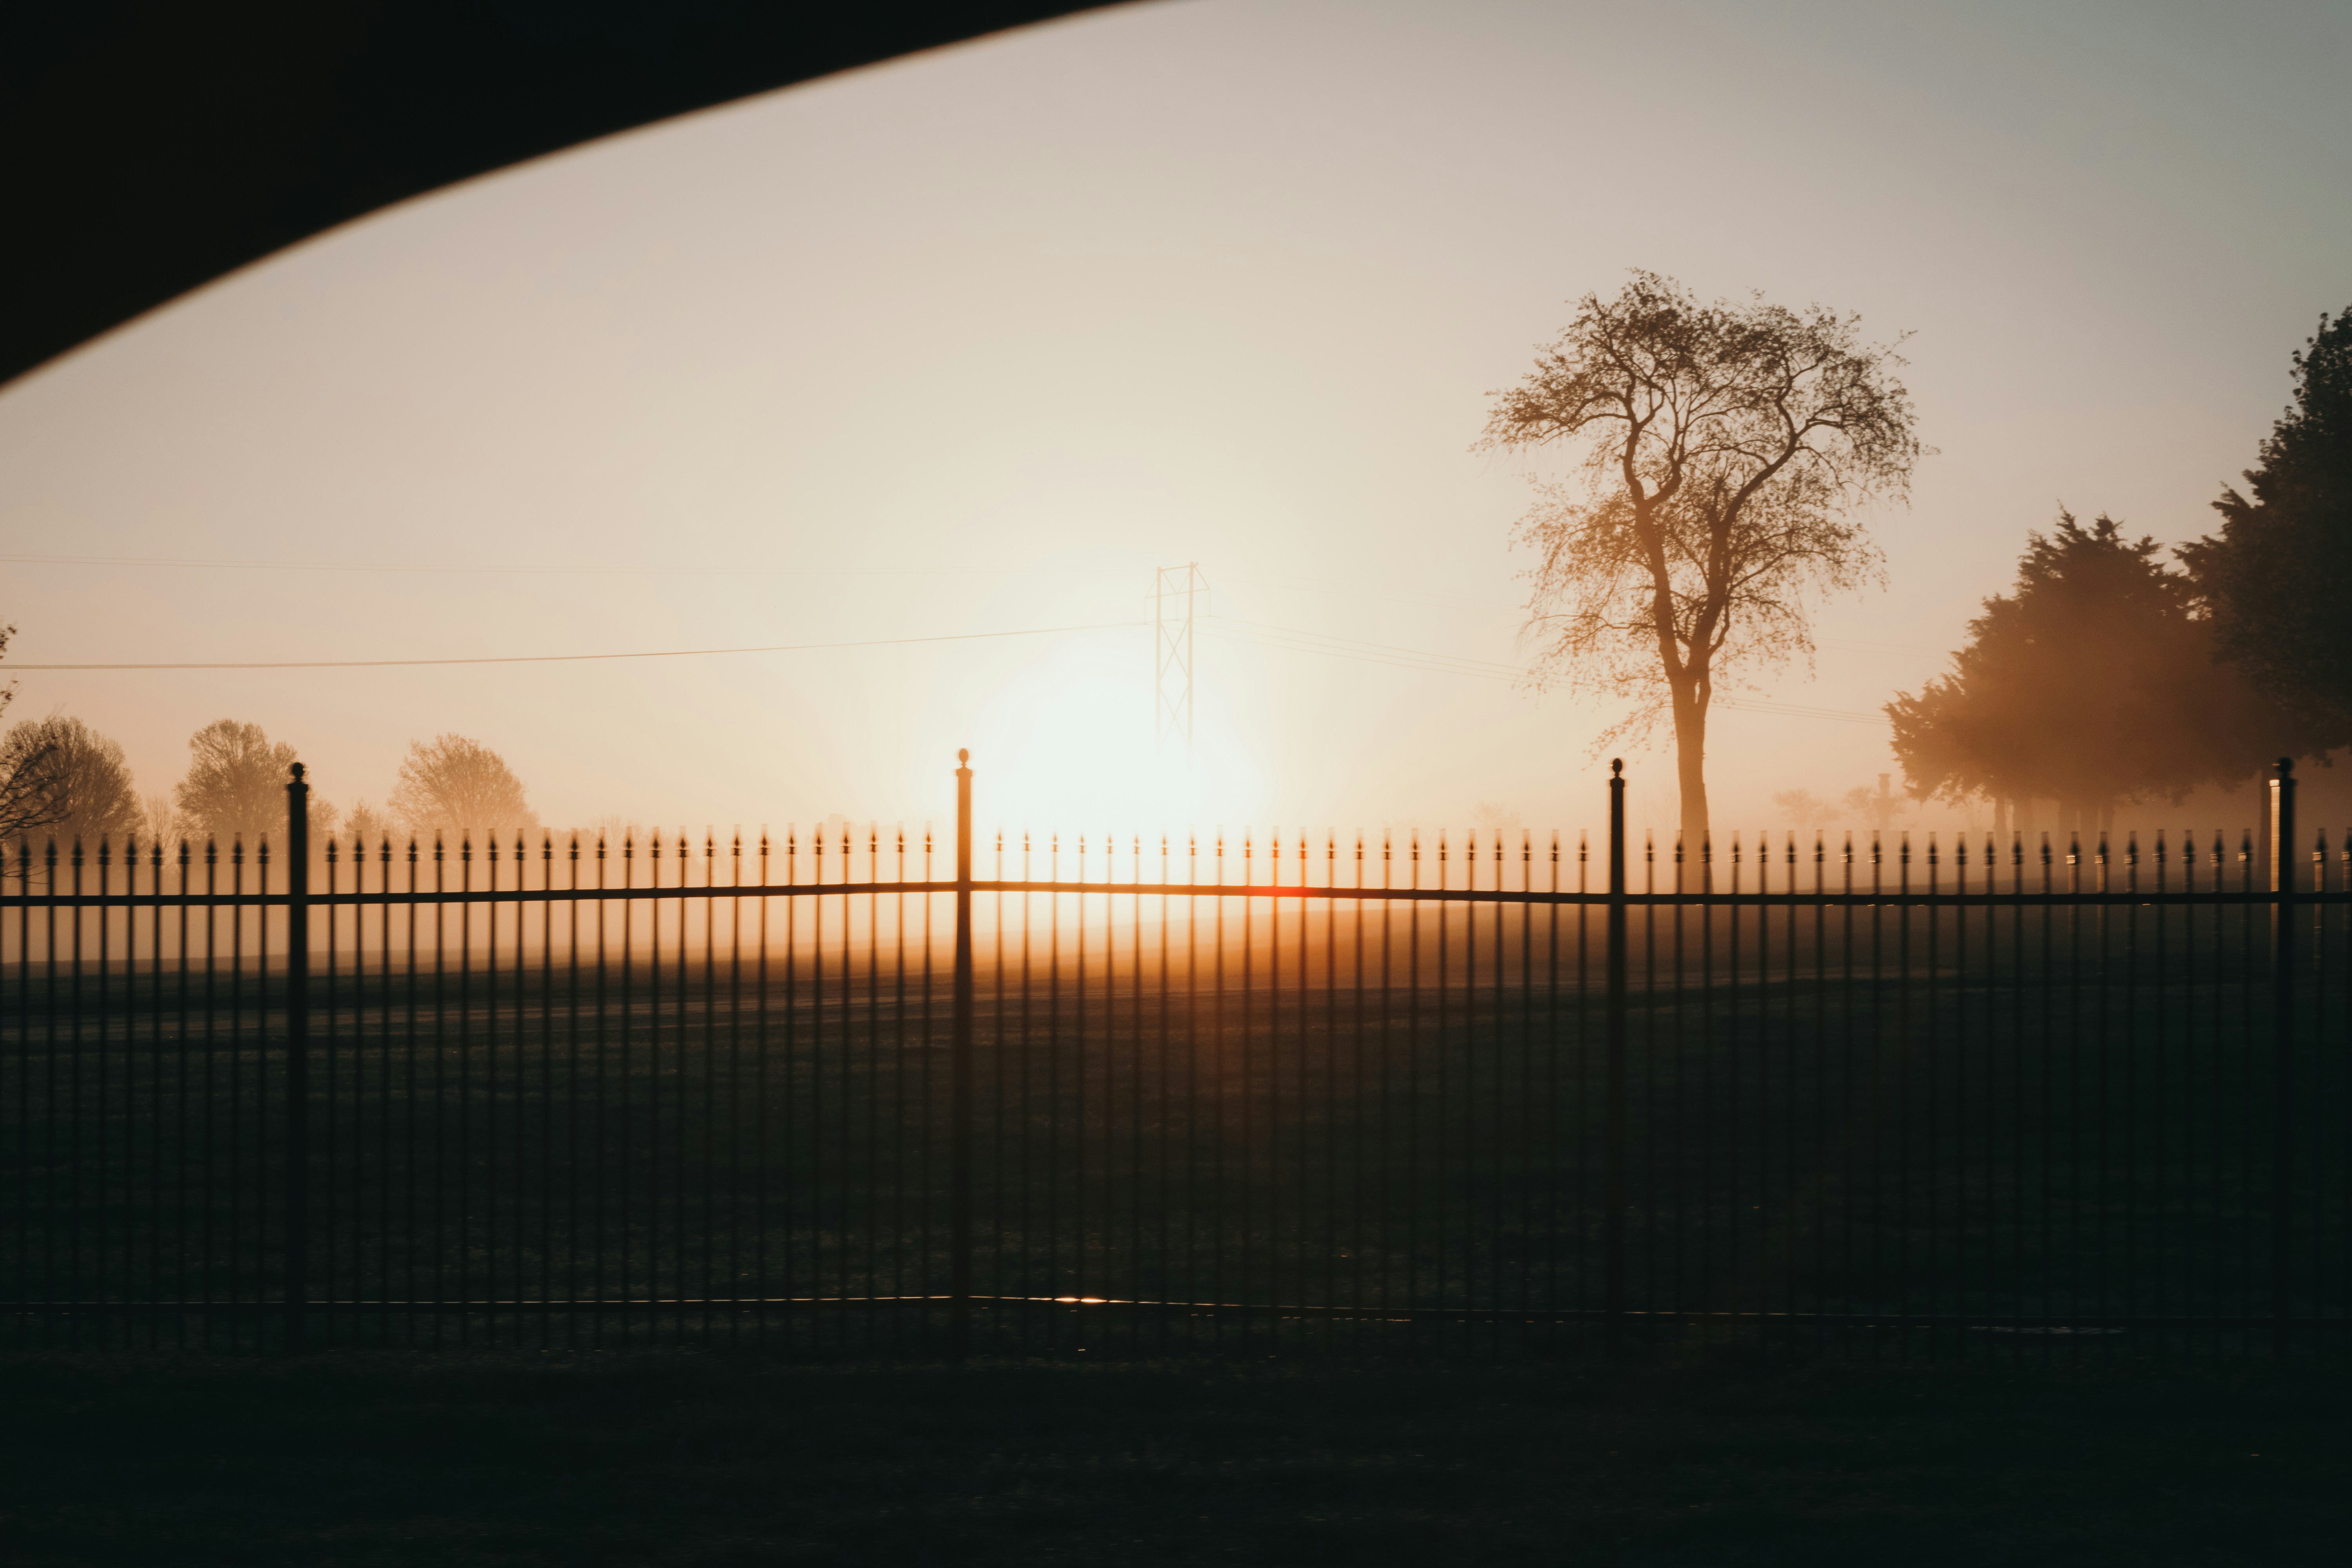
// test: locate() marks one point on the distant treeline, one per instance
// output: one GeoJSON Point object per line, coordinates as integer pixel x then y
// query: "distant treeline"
{"type": "Point", "coordinates": [2109, 675]}
{"type": "Point", "coordinates": [61, 780]}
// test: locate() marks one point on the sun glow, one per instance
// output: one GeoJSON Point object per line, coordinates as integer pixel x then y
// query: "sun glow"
{"type": "Point", "coordinates": [1066, 745]}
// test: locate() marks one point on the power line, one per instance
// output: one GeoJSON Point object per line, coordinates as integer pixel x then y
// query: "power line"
{"type": "Point", "coordinates": [1253, 633]}
{"type": "Point", "coordinates": [583, 657]}
{"type": "Point", "coordinates": [444, 568]}
{"type": "Point", "coordinates": [1262, 634]}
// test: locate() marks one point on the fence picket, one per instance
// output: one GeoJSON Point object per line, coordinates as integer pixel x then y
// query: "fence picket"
{"type": "Point", "coordinates": [1901, 1111]}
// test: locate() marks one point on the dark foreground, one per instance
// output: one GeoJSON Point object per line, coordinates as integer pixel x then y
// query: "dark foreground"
{"type": "Point", "coordinates": [682, 1458]}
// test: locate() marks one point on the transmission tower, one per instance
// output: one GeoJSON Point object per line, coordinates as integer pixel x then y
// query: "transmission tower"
{"type": "Point", "coordinates": [1174, 592]}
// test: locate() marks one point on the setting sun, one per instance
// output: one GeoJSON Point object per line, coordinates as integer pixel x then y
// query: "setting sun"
{"type": "Point", "coordinates": [1252, 783]}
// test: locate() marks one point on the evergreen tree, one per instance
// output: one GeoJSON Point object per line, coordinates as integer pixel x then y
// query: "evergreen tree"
{"type": "Point", "coordinates": [2278, 574]}
{"type": "Point", "coordinates": [2093, 682]}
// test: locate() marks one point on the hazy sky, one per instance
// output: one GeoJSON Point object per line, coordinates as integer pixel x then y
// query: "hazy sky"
{"type": "Point", "coordinates": [974, 341]}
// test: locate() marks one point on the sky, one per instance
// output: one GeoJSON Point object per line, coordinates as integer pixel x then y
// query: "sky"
{"type": "Point", "coordinates": [975, 340]}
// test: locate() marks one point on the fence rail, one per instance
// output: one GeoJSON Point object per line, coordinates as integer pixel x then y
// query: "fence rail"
{"type": "Point", "coordinates": [1975, 1099]}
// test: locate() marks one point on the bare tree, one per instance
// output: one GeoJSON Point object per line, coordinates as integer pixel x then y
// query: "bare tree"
{"type": "Point", "coordinates": [236, 785]}
{"type": "Point", "coordinates": [366, 826]}
{"type": "Point", "coordinates": [1803, 809]}
{"type": "Point", "coordinates": [1494, 816]}
{"type": "Point", "coordinates": [159, 820]}
{"type": "Point", "coordinates": [26, 802]}
{"type": "Point", "coordinates": [612, 831]}
{"type": "Point", "coordinates": [1878, 807]}
{"type": "Point", "coordinates": [452, 782]}
{"type": "Point", "coordinates": [25, 806]}
{"type": "Point", "coordinates": [1722, 447]}
{"type": "Point", "coordinates": [73, 778]}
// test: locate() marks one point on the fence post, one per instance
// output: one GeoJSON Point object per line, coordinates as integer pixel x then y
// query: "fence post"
{"type": "Point", "coordinates": [959, 1083]}
{"type": "Point", "coordinates": [1613, 1186]}
{"type": "Point", "coordinates": [2283, 957]}
{"type": "Point", "coordinates": [298, 1055]}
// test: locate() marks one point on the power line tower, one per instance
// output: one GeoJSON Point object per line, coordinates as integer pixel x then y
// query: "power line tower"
{"type": "Point", "coordinates": [1174, 592]}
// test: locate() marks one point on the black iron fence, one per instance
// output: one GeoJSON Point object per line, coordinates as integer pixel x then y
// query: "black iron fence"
{"type": "Point", "coordinates": [1968, 1097]}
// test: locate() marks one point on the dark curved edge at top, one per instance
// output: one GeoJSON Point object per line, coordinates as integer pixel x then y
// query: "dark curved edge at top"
{"type": "Point", "coordinates": [147, 148]}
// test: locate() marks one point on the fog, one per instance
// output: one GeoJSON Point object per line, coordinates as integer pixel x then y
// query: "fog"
{"type": "Point", "coordinates": [973, 342]}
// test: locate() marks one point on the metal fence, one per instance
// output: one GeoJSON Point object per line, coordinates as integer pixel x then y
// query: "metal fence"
{"type": "Point", "coordinates": [1422, 1094]}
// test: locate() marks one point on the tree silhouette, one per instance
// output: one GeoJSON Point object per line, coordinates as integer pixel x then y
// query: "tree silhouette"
{"type": "Point", "coordinates": [1723, 447]}
{"type": "Point", "coordinates": [2277, 576]}
{"type": "Point", "coordinates": [25, 802]}
{"type": "Point", "coordinates": [159, 820]}
{"type": "Point", "coordinates": [78, 777]}
{"type": "Point", "coordinates": [235, 786]}
{"type": "Point", "coordinates": [452, 782]}
{"type": "Point", "coordinates": [1879, 808]}
{"type": "Point", "coordinates": [2093, 682]}
{"type": "Point", "coordinates": [366, 826]}
{"type": "Point", "coordinates": [1802, 808]}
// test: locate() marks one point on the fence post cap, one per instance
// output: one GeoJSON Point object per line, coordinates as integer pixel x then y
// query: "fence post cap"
{"type": "Point", "coordinates": [295, 771]}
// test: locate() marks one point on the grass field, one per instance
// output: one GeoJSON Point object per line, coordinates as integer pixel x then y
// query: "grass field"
{"type": "Point", "coordinates": [1875, 1151]}
{"type": "Point", "coordinates": [699, 1459]}
{"type": "Point", "coordinates": [1951, 1125]}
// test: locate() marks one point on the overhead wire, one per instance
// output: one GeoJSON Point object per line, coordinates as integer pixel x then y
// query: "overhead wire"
{"type": "Point", "coordinates": [1249, 633]}
{"type": "Point", "coordinates": [446, 568]}
{"type": "Point", "coordinates": [585, 658]}
{"type": "Point", "coordinates": [1262, 634]}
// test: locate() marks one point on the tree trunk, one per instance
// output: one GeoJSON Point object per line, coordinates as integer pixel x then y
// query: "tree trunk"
{"type": "Point", "coordinates": [1690, 771]}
